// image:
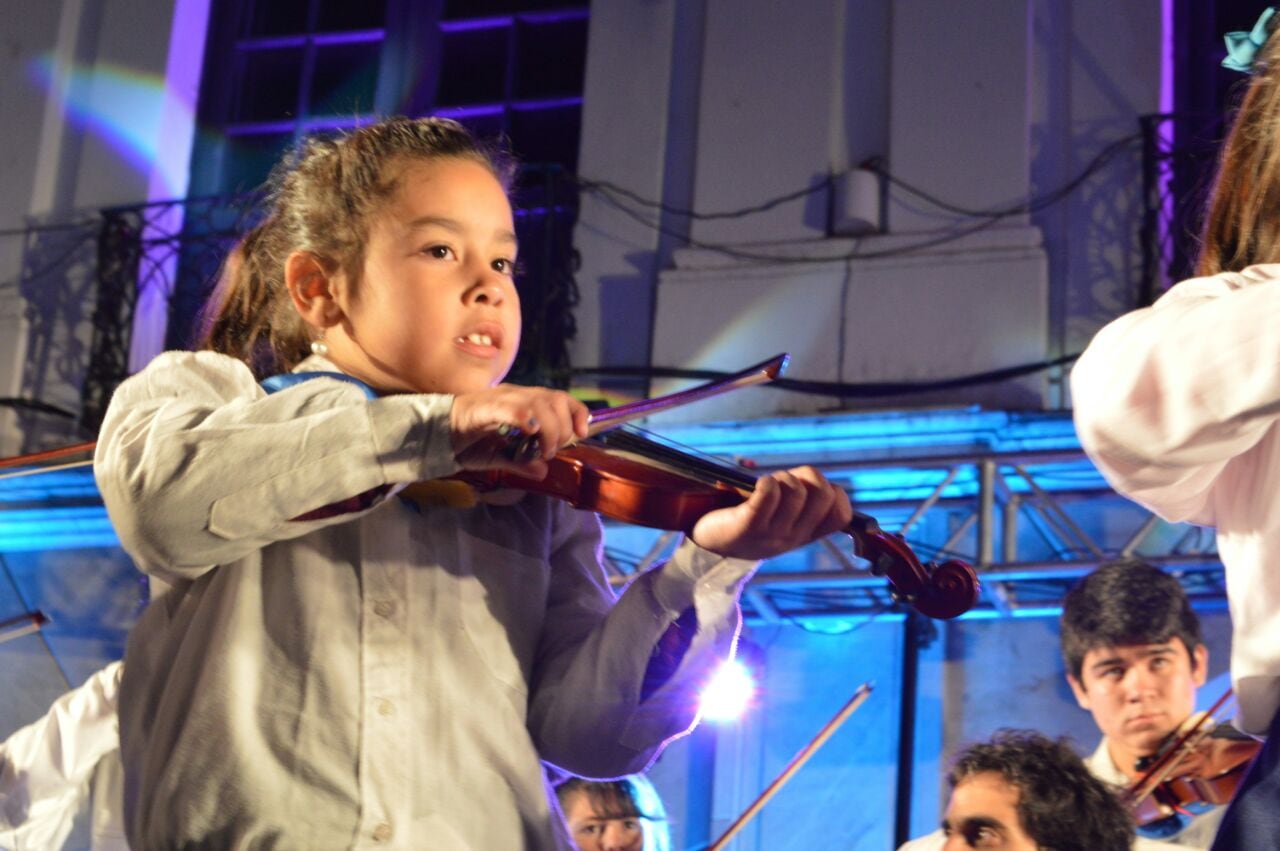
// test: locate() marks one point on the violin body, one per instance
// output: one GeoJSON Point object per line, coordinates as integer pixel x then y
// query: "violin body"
{"type": "Point", "coordinates": [1200, 773]}
{"type": "Point", "coordinates": [592, 477]}
{"type": "Point", "coordinates": [634, 478]}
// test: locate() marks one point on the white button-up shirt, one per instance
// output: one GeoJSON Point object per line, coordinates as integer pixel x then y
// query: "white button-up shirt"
{"type": "Point", "coordinates": [387, 677]}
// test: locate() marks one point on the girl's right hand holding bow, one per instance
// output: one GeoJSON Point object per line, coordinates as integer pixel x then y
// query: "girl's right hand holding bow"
{"type": "Point", "coordinates": [481, 424]}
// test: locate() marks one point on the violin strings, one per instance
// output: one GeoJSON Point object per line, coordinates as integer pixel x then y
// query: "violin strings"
{"type": "Point", "coordinates": [695, 463]}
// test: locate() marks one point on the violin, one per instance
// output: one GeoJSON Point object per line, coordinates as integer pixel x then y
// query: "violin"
{"type": "Point", "coordinates": [623, 475]}
{"type": "Point", "coordinates": [626, 475]}
{"type": "Point", "coordinates": [1201, 767]}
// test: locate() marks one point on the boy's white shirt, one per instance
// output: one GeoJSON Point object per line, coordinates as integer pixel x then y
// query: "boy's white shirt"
{"type": "Point", "coordinates": [408, 659]}
{"type": "Point", "coordinates": [1177, 404]}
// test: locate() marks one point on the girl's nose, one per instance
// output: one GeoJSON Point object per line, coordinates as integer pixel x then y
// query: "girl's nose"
{"type": "Point", "coordinates": [490, 292]}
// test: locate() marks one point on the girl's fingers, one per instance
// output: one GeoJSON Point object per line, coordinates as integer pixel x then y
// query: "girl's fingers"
{"type": "Point", "coordinates": [826, 508]}
{"type": "Point", "coordinates": [763, 504]}
{"type": "Point", "coordinates": [791, 500]}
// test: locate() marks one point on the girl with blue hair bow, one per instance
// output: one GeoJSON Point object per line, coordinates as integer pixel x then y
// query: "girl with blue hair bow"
{"type": "Point", "coordinates": [1179, 405]}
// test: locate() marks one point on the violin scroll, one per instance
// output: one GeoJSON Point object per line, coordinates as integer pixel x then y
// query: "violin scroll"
{"type": "Point", "coordinates": [943, 591]}
{"type": "Point", "coordinates": [953, 590]}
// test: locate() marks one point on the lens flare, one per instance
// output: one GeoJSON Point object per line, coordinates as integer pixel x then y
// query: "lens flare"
{"type": "Point", "coordinates": [729, 693]}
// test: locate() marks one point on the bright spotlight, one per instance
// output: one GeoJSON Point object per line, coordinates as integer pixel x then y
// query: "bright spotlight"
{"type": "Point", "coordinates": [729, 692]}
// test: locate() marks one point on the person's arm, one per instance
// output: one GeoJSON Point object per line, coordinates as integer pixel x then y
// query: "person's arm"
{"type": "Point", "coordinates": [613, 682]}
{"type": "Point", "coordinates": [45, 766]}
{"type": "Point", "coordinates": [1165, 397]}
{"type": "Point", "coordinates": [198, 465]}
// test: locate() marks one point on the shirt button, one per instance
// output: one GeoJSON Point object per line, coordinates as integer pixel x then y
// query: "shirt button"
{"type": "Point", "coordinates": [382, 832]}
{"type": "Point", "coordinates": [386, 707]}
{"type": "Point", "coordinates": [384, 608]}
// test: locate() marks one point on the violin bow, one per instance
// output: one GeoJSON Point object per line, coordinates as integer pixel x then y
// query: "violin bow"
{"type": "Point", "coordinates": [761, 373]}
{"type": "Point", "coordinates": [46, 455]}
{"type": "Point", "coordinates": [519, 445]}
{"type": "Point", "coordinates": [22, 625]}
{"type": "Point", "coordinates": [599, 421]}
{"type": "Point", "coordinates": [859, 696]}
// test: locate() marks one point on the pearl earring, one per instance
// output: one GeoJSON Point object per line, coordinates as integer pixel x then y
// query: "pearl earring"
{"type": "Point", "coordinates": [319, 347]}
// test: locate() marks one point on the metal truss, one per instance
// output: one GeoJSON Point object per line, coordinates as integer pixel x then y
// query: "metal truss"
{"type": "Point", "coordinates": [1031, 524]}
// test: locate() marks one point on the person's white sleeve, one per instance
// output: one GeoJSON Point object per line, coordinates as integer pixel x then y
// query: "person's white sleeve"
{"type": "Point", "coordinates": [1165, 397]}
{"type": "Point", "coordinates": [588, 711]}
{"type": "Point", "coordinates": [199, 466]}
{"type": "Point", "coordinates": [930, 842]}
{"type": "Point", "coordinates": [45, 766]}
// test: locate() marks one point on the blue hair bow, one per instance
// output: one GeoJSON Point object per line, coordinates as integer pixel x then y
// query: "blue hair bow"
{"type": "Point", "coordinates": [1242, 47]}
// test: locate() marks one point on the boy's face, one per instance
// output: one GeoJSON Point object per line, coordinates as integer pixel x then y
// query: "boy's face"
{"type": "Point", "coordinates": [1140, 693]}
{"type": "Point", "coordinates": [436, 308]}
{"type": "Point", "coordinates": [983, 813]}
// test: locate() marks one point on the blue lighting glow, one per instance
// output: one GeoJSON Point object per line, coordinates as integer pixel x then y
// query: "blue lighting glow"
{"type": "Point", "coordinates": [43, 529]}
{"type": "Point", "coordinates": [851, 436]}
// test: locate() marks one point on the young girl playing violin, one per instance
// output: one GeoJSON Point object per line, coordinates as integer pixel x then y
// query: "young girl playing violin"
{"type": "Point", "coordinates": [329, 664]}
{"type": "Point", "coordinates": [1177, 404]}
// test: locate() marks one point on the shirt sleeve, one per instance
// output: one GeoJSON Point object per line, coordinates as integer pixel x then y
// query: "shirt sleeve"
{"type": "Point", "coordinates": [199, 466]}
{"type": "Point", "coordinates": [935, 841]}
{"type": "Point", "coordinates": [587, 713]}
{"type": "Point", "coordinates": [45, 767]}
{"type": "Point", "coordinates": [1167, 396]}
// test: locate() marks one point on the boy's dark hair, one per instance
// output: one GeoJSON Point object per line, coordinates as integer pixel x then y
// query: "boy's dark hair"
{"type": "Point", "coordinates": [1061, 805]}
{"type": "Point", "coordinates": [1125, 603]}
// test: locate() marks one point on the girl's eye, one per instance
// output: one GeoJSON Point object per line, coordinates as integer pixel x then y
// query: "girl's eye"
{"type": "Point", "coordinates": [505, 266]}
{"type": "Point", "coordinates": [439, 252]}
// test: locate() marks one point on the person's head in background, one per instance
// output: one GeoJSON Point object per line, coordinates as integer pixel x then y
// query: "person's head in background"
{"type": "Point", "coordinates": [1134, 655]}
{"type": "Point", "coordinates": [615, 815]}
{"type": "Point", "coordinates": [1022, 791]}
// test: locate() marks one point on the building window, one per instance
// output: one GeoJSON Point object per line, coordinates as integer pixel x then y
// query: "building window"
{"type": "Point", "coordinates": [277, 70]}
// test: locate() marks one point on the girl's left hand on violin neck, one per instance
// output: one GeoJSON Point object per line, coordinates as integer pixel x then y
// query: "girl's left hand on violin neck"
{"type": "Point", "coordinates": [785, 511]}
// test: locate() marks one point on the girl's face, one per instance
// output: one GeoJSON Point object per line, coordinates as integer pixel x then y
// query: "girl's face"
{"type": "Point", "coordinates": [436, 309]}
{"type": "Point", "coordinates": [593, 831]}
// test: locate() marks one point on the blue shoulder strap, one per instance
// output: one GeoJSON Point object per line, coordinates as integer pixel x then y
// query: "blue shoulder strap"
{"type": "Point", "coordinates": [289, 379]}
